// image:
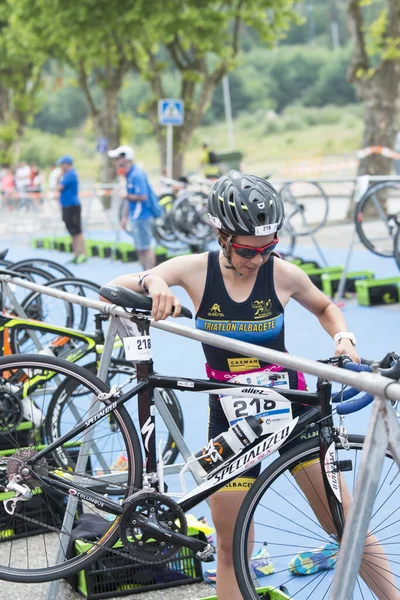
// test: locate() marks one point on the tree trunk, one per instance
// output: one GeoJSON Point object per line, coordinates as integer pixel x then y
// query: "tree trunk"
{"type": "Point", "coordinates": [380, 96]}
{"type": "Point", "coordinates": [107, 126]}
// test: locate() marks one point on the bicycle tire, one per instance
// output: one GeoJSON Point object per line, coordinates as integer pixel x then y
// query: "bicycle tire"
{"type": "Point", "coordinates": [47, 265]}
{"type": "Point", "coordinates": [190, 222]}
{"type": "Point", "coordinates": [281, 509]}
{"type": "Point", "coordinates": [76, 315]}
{"type": "Point", "coordinates": [124, 368]}
{"type": "Point", "coordinates": [397, 247]}
{"type": "Point", "coordinates": [376, 227]}
{"type": "Point", "coordinates": [318, 202]}
{"type": "Point", "coordinates": [102, 450]}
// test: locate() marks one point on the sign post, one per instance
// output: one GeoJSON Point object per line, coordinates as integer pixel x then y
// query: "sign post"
{"type": "Point", "coordinates": [170, 113]}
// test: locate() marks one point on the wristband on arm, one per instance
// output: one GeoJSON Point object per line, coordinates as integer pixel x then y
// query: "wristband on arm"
{"type": "Point", "coordinates": [344, 335]}
{"type": "Point", "coordinates": [141, 281]}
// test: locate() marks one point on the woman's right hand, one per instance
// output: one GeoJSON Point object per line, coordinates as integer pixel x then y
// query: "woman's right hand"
{"type": "Point", "coordinates": [164, 301]}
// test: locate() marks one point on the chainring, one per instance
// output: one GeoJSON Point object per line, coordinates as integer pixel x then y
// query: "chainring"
{"type": "Point", "coordinates": [160, 510]}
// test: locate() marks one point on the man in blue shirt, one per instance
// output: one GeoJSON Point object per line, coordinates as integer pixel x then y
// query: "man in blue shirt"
{"type": "Point", "coordinates": [71, 207]}
{"type": "Point", "coordinates": [139, 205]}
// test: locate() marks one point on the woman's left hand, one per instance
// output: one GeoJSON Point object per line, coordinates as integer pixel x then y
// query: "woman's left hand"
{"type": "Point", "coordinates": [346, 347]}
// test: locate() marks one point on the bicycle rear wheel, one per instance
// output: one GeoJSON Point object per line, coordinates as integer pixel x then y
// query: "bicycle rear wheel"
{"type": "Point", "coordinates": [60, 312]}
{"type": "Point", "coordinates": [55, 269]}
{"type": "Point", "coordinates": [306, 206]}
{"type": "Point", "coordinates": [30, 538]}
{"type": "Point", "coordinates": [375, 217]}
{"type": "Point", "coordinates": [64, 410]}
{"type": "Point", "coordinates": [276, 516]}
{"type": "Point", "coordinates": [397, 247]}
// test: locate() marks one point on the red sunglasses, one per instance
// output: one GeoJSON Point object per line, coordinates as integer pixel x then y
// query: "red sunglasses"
{"type": "Point", "coordinates": [251, 251]}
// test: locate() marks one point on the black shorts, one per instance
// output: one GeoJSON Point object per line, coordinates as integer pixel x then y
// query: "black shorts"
{"type": "Point", "coordinates": [218, 423]}
{"type": "Point", "coordinates": [71, 215]}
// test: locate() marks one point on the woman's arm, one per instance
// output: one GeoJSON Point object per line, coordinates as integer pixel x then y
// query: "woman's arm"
{"type": "Point", "coordinates": [157, 283]}
{"type": "Point", "coordinates": [327, 313]}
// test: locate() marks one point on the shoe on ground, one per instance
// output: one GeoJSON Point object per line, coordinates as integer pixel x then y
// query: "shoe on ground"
{"type": "Point", "coordinates": [72, 261]}
{"type": "Point", "coordinates": [261, 564]}
{"type": "Point", "coordinates": [81, 259]}
{"type": "Point", "coordinates": [210, 576]}
{"type": "Point", "coordinates": [313, 561]}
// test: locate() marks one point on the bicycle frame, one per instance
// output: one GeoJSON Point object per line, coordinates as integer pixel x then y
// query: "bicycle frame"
{"type": "Point", "coordinates": [264, 446]}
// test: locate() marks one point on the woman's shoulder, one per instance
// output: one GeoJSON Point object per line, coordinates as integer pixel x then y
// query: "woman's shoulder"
{"type": "Point", "coordinates": [285, 271]}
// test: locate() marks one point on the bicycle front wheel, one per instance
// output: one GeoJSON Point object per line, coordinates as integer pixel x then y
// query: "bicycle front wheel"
{"type": "Point", "coordinates": [30, 538]}
{"type": "Point", "coordinates": [277, 517]}
{"type": "Point", "coordinates": [375, 218]}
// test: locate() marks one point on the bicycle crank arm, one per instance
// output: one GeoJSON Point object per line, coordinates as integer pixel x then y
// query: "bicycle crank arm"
{"type": "Point", "coordinates": [165, 535]}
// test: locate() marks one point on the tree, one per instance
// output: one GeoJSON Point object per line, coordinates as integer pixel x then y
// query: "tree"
{"type": "Point", "coordinates": [375, 71]}
{"type": "Point", "coordinates": [21, 65]}
{"type": "Point", "coordinates": [202, 40]}
{"type": "Point", "coordinates": [97, 39]}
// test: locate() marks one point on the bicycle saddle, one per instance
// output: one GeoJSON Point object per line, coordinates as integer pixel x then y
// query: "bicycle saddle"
{"type": "Point", "coordinates": [3, 254]}
{"type": "Point", "coordinates": [117, 294]}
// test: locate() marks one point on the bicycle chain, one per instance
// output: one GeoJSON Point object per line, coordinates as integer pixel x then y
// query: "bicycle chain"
{"type": "Point", "coordinates": [125, 554]}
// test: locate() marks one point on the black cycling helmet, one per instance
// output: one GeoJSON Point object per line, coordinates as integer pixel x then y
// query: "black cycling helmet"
{"type": "Point", "coordinates": [242, 204]}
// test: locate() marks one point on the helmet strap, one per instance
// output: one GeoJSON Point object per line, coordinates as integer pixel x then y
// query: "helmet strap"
{"type": "Point", "coordinates": [227, 253]}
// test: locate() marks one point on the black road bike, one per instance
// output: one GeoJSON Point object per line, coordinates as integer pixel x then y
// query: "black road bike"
{"type": "Point", "coordinates": [140, 511]}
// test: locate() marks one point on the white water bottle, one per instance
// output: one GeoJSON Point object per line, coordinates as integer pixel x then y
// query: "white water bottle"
{"type": "Point", "coordinates": [228, 443]}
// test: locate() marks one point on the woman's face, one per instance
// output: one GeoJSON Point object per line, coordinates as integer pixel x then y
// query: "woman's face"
{"type": "Point", "coordinates": [247, 266]}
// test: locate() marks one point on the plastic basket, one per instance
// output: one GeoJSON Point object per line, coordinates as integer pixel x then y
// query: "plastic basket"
{"type": "Point", "coordinates": [116, 575]}
{"type": "Point", "coordinates": [41, 507]}
{"type": "Point", "coordinates": [373, 292]}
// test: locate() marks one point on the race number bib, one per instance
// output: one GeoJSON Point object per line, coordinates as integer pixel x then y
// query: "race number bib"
{"type": "Point", "coordinates": [273, 408]}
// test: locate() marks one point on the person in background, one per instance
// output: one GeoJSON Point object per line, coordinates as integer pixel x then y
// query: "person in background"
{"type": "Point", "coordinates": [8, 188]}
{"type": "Point", "coordinates": [54, 177]}
{"type": "Point", "coordinates": [396, 161]}
{"type": "Point", "coordinates": [209, 162]}
{"type": "Point", "coordinates": [138, 205]}
{"type": "Point", "coordinates": [71, 208]}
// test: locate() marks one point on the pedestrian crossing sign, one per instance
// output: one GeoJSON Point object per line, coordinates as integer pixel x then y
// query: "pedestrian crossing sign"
{"type": "Point", "coordinates": [170, 111]}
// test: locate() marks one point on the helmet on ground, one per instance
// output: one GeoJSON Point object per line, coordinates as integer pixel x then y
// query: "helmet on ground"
{"type": "Point", "coordinates": [242, 204]}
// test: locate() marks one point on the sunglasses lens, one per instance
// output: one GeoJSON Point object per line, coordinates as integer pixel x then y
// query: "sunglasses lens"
{"type": "Point", "coordinates": [268, 250]}
{"type": "Point", "coordinates": [245, 252]}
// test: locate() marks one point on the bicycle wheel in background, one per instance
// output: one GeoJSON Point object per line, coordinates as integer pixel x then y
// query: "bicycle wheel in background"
{"type": "Point", "coordinates": [190, 219]}
{"type": "Point", "coordinates": [163, 228]}
{"type": "Point", "coordinates": [276, 517]}
{"type": "Point", "coordinates": [376, 217]}
{"type": "Point", "coordinates": [65, 411]}
{"type": "Point", "coordinates": [56, 270]}
{"type": "Point", "coordinates": [306, 206]}
{"type": "Point", "coordinates": [60, 312]}
{"type": "Point", "coordinates": [287, 239]}
{"type": "Point", "coordinates": [397, 247]}
{"type": "Point", "coordinates": [30, 538]}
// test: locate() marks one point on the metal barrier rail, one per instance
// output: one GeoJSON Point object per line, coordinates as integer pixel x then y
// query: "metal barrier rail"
{"type": "Point", "coordinates": [372, 383]}
{"type": "Point", "coordinates": [383, 432]}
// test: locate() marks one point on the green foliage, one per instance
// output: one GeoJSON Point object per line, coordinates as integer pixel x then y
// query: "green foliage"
{"type": "Point", "coordinates": [275, 79]}
{"type": "Point", "coordinates": [61, 110]}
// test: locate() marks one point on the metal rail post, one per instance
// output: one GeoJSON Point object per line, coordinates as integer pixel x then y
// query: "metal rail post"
{"type": "Point", "coordinates": [383, 433]}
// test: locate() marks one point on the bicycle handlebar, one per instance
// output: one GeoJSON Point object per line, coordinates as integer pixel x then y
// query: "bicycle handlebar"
{"type": "Point", "coordinates": [357, 404]}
